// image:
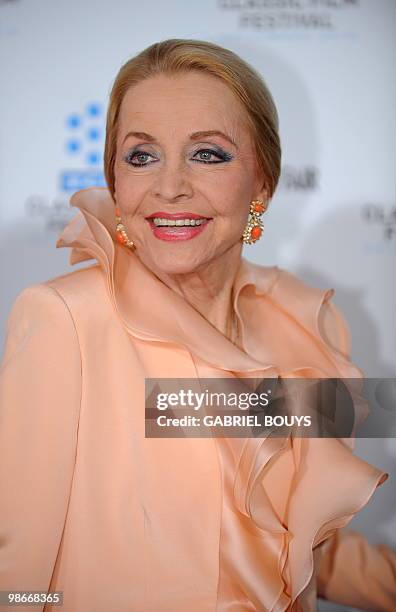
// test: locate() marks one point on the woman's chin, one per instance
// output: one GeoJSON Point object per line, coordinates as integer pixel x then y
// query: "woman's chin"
{"type": "Point", "coordinates": [171, 263]}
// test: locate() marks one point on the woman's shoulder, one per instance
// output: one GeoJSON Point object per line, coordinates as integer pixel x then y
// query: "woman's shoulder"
{"type": "Point", "coordinates": [57, 302]}
{"type": "Point", "coordinates": [311, 306]}
{"type": "Point", "coordinates": [84, 281]}
{"type": "Point", "coordinates": [39, 323]}
{"type": "Point", "coordinates": [279, 281]}
{"type": "Point", "coordinates": [72, 287]}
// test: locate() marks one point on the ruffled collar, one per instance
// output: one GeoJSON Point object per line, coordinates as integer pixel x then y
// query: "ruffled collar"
{"type": "Point", "coordinates": [136, 292]}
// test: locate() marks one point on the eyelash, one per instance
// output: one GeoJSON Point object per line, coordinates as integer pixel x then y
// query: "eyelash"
{"type": "Point", "coordinates": [224, 157]}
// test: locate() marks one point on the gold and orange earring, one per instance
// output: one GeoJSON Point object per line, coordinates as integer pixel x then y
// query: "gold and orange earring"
{"type": "Point", "coordinates": [254, 227]}
{"type": "Point", "coordinates": [121, 235]}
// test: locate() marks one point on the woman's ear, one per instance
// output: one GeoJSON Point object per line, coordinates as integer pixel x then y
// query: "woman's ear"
{"type": "Point", "coordinates": [262, 191]}
{"type": "Point", "coordinates": [263, 194]}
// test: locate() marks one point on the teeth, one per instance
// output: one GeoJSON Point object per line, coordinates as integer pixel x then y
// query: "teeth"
{"type": "Point", "coordinates": [179, 222]}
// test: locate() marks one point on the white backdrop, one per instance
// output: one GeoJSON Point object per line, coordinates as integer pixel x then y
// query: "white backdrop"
{"type": "Point", "coordinates": [330, 65]}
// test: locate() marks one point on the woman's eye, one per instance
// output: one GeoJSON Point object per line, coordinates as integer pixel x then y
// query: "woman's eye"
{"type": "Point", "coordinates": [137, 155]}
{"type": "Point", "coordinates": [206, 156]}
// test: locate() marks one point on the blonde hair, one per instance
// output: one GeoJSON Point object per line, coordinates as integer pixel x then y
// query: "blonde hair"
{"type": "Point", "coordinates": [177, 55]}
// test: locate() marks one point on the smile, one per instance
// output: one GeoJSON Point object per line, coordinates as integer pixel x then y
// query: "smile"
{"type": "Point", "coordinates": [179, 222]}
{"type": "Point", "coordinates": [177, 226]}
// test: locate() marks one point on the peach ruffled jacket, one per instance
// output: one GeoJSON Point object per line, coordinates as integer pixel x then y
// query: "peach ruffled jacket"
{"type": "Point", "coordinates": [123, 523]}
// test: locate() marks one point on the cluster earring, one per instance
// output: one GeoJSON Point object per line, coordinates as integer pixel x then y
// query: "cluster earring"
{"type": "Point", "coordinates": [254, 227]}
{"type": "Point", "coordinates": [121, 235]}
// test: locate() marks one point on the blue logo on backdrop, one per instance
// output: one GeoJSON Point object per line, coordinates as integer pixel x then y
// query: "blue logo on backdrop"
{"type": "Point", "coordinates": [84, 146]}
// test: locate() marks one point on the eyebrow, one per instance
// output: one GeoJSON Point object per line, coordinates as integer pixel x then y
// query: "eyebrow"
{"type": "Point", "coordinates": [193, 136]}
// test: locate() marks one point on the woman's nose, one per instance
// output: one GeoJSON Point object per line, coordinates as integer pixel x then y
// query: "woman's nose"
{"type": "Point", "coordinates": [172, 182]}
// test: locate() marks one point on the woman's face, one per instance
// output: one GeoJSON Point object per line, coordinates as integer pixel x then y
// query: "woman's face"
{"type": "Point", "coordinates": [168, 164]}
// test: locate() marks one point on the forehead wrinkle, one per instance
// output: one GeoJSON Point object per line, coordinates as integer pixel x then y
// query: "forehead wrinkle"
{"type": "Point", "coordinates": [234, 124]}
{"type": "Point", "coordinates": [220, 107]}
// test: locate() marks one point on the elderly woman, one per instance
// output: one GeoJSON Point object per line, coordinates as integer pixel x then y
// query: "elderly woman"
{"type": "Point", "coordinates": [90, 506]}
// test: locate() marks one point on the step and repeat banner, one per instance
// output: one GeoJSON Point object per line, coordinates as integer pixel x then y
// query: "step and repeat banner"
{"type": "Point", "coordinates": [330, 65]}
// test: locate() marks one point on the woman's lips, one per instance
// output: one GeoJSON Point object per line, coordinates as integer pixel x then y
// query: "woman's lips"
{"type": "Point", "coordinates": [181, 232]}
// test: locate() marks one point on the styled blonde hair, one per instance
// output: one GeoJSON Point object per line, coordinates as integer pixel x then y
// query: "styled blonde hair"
{"type": "Point", "coordinates": [178, 55]}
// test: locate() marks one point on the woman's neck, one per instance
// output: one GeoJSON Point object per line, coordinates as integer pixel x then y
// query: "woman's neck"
{"type": "Point", "coordinates": [210, 290]}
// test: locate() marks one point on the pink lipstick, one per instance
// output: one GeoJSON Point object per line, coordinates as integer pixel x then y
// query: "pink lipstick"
{"type": "Point", "coordinates": [177, 226]}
